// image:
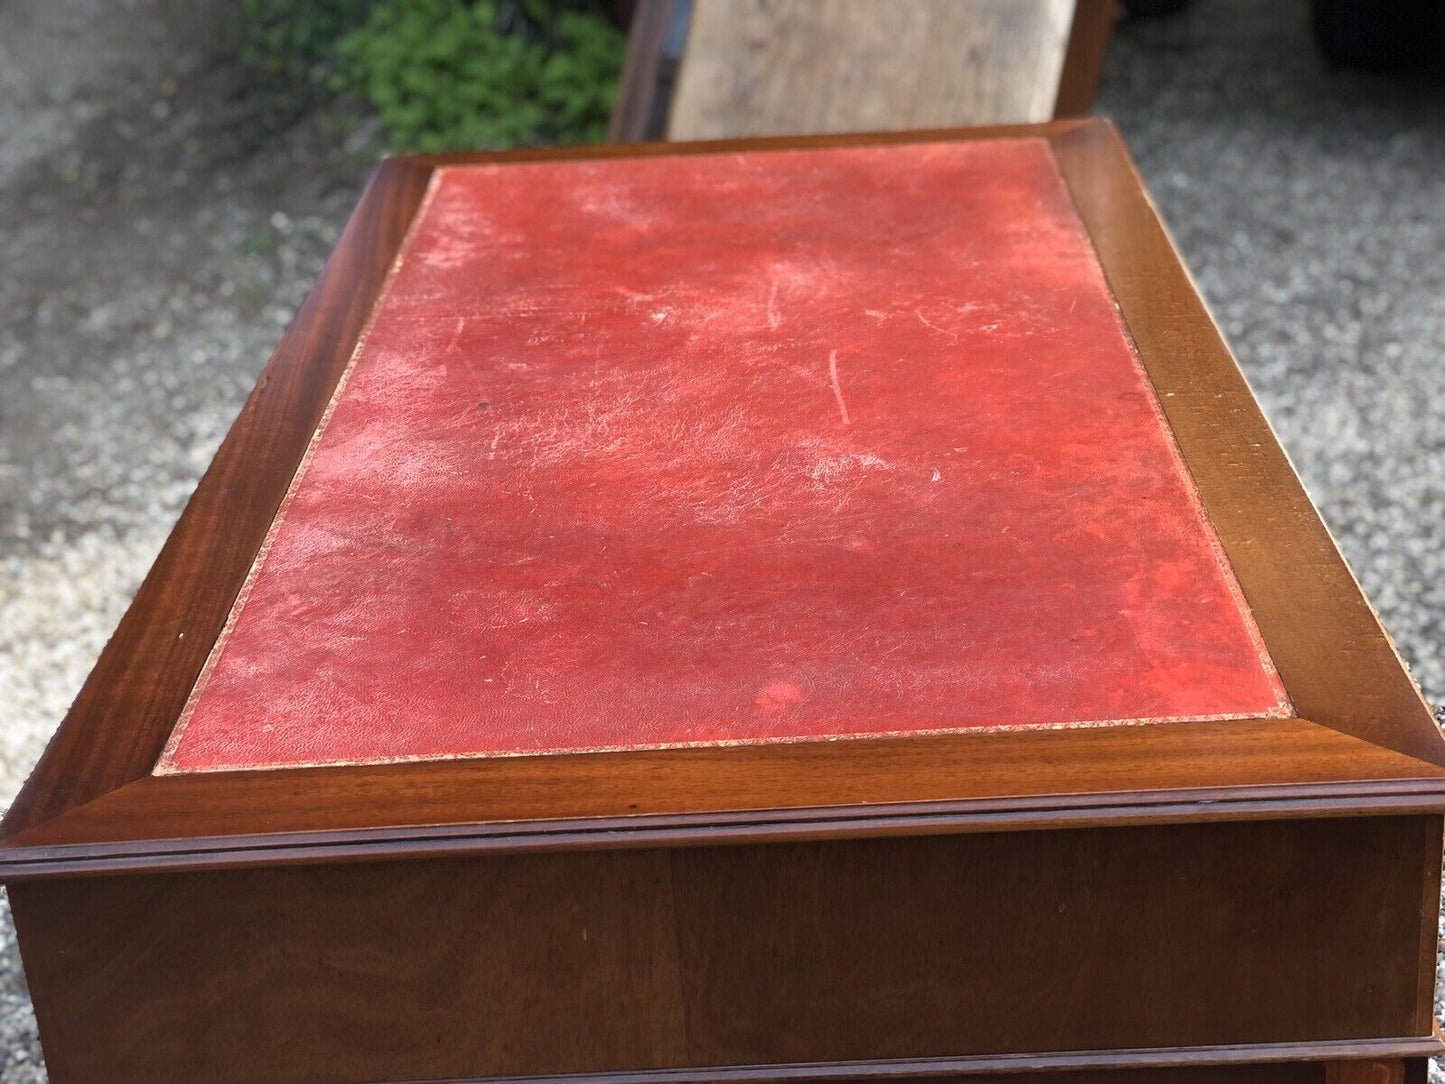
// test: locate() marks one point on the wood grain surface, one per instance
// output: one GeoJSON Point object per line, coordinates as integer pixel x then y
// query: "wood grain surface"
{"type": "Point", "coordinates": [1338, 664]}
{"type": "Point", "coordinates": [1365, 741]}
{"type": "Point", "coordinates": [1366, 1072]}
{"type": "Point", "coordinates": [1239, 1067]}
{"type": "Point", "coordinates": [1152, 946]}
{"type": "Point", "coordinates": [782, 67]}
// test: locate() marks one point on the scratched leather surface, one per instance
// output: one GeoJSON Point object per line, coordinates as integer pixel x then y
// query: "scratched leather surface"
{"type": "Point", "coordinates": [732, 448]}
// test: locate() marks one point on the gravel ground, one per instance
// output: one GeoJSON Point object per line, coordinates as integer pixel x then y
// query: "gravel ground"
{"type": "Point", "coordinates": [166, 233]}
{"type": "Point", "coordinates": [165, 241]}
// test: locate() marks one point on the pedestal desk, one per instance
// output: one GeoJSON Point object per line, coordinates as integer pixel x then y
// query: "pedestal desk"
{"type": "Point", "coordinates": [787, 610]}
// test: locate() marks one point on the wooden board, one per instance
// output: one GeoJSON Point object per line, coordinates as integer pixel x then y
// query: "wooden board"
{"type": "Point", "coordinates": [659, 33]}
{"type": "Point", "coordinates": [755, 68]}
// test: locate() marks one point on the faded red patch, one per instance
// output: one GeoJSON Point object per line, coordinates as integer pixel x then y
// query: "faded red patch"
{"type": "Point", "coordinates": [629, 437]}
{"type": "Point", "coordinates": [777, 696]}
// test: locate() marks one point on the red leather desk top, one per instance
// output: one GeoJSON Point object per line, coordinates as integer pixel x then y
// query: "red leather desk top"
{"type": "Point", "coordinates": [714, 449]}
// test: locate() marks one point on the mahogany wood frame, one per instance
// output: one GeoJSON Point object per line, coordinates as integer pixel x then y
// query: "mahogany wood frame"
{"type": "Point", "coordinates": [1175, 947]}
{"type": "Point", "coordinates": [267, 892]}
{"type": "Point", "coordinates": [1363, 739]}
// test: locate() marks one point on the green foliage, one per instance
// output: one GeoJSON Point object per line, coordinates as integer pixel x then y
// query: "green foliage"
{"type": "Point", "coordinates": [448, 74]}
{"type": "Point", "coordinates": [440, 74]}
{"type": "Point", "coordinates": [295, 40]}
{"type": "Point", "coordinates": [288, 51]}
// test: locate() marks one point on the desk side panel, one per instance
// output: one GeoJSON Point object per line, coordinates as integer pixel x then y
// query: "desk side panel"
{"type": "Point", "coordinates": [1098, 939]}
